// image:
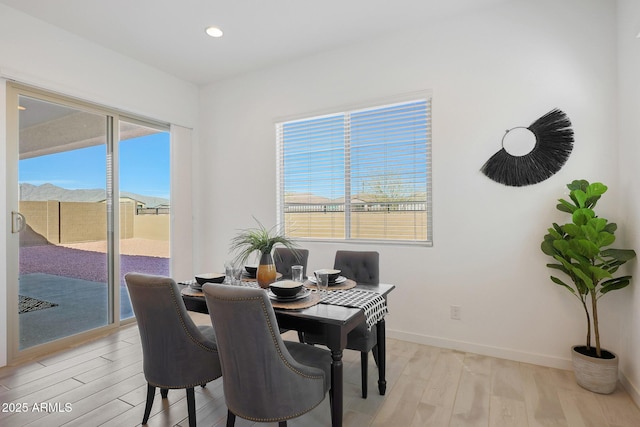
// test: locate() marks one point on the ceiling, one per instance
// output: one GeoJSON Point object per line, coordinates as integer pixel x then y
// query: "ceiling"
{"type": "Point", "coordinates": [169, 34]}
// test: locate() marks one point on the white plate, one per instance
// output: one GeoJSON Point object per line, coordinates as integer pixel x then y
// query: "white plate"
{"type": "Point", "coordinates": [340, 279]}
{"type": "Point", "coordinates": [304, 292]}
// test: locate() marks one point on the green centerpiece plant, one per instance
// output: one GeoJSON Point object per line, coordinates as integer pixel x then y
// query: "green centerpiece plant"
{"type": "Point", "coordinates": [581, 250]}
{"type": "Point", "coordinates": [262, 240]}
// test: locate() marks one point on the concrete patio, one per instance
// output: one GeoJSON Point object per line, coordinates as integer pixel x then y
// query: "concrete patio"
{"type": "Point", "coordinates": [81, 306]}
{"type": "Point", "coordinates": [75, 280]}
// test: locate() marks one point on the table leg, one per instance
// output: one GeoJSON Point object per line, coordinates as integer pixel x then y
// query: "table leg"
{"type": "Point", "coordinates": [382, 356]}
{"type": "Point", "coordinates": [336, 388]}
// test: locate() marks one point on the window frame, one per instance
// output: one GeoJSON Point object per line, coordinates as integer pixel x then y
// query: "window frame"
{"type": "Point", "coordinates": [348, 110]}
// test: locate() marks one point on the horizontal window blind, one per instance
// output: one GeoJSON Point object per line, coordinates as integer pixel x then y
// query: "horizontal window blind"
{"type": "Point", "coordinates": [357, 175]}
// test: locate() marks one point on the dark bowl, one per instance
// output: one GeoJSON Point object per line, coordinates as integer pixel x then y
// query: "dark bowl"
{"type": "Point", "coordinates": [252, 270]}
{"type": "Point", "coordinates": [209, 278]}
{"type": "Point", "coordinates": [331, 274]}
{"type": "Point", "coordinates": [285, 288]}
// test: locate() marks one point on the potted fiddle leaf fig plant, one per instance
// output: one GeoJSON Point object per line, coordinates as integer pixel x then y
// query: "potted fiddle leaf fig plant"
{"type": "Point", "coordinates": [262, 240]}
{"type": "Point", "coordinates": [581, 250]}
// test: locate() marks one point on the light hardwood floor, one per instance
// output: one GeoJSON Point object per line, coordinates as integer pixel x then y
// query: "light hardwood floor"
{"type": "Point", "coordinates": [427, 386]}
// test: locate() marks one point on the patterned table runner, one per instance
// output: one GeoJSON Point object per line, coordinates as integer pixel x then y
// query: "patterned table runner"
{"type": "Point", "coordinates": [372, 303]}
{"type": "Point", "coordinates": [347, 284]}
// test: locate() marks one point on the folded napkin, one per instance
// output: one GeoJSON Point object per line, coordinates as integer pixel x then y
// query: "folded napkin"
{"type": "Point", "coordinates": [372, 303]}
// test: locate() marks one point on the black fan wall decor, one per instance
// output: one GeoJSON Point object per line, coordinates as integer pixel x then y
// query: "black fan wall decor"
{"type": "Point", "coordinates": [553, 145]}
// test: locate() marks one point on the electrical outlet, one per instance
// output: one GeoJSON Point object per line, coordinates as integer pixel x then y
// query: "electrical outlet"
{"type": "Point", "coordinates": [455, 312]}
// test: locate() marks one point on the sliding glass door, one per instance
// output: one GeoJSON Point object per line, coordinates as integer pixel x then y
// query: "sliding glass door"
{"type": "Point", "coordinates": [145, 205]}
{"type": "Point", "coordinates": [62, 173]}
{"type": "Point", "coordinates": [75, 230]}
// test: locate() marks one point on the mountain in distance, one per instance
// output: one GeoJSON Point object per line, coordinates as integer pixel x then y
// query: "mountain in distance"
{"type": "Point", "coordinates": [44, 192]}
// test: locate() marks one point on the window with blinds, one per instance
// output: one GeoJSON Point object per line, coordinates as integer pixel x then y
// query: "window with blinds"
{"type": "Point", "coordinates": [357, 175]}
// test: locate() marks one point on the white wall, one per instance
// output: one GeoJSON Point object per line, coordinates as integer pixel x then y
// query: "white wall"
{"type": "Point", "coordinates": [629, 90]}
{"type": "Point", "coordinates": [36, 53]}
{"type": "Point", "coordinates": [489, 71]}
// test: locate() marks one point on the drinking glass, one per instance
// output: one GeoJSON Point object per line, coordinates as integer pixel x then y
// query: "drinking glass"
{"type": "Point", "coordinates": [296, 273]}
{"type": "Point", "coordinates": [228, 272]}
{"type": "Point", "coordinates": [322, 281]}
{"type": "Point", "coordinates": [236, 274]}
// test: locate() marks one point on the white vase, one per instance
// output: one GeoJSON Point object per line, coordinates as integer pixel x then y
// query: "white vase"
{"type": "Point", "coordinates": [595, 374]}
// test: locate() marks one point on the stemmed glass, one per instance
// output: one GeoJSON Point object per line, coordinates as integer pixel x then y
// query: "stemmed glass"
{"type": "Point", "coordinates": [236, 273]}
{"type": "Point", "coordinates": [233, 273]}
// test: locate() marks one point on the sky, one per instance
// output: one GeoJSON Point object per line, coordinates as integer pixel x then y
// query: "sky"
{"type": "Point", "coordinates": [144, 167]}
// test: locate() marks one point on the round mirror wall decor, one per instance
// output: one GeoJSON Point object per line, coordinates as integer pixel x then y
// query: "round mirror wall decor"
{"type": "Point", "coordinates": [530, 155]}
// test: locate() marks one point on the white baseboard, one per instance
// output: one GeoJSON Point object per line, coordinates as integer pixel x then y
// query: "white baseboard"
{"type": "Point", "coordinates": [501, 353]}
{"type": "Point", "coordinates": [630, 388]}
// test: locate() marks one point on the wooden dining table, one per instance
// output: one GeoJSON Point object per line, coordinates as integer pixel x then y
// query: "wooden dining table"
{"type": "Point", "coordinates": [334, 322]}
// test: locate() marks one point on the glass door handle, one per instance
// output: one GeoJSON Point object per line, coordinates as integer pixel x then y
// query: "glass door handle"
{"type": "Point", "coordinates": [18, 222]}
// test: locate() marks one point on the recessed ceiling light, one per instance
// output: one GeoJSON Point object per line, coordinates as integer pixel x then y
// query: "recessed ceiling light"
{"type": "Point", "coordinates": [213, 31]}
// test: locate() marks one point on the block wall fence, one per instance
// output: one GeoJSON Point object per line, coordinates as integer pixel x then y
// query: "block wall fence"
{"type": "Point", "coordinates": [75, 222]}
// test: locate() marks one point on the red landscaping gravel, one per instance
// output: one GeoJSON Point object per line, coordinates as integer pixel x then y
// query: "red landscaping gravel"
{"type": "Point", "coordinates": [85, 265]}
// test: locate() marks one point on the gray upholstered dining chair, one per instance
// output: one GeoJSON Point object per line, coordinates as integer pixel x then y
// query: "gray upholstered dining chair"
{"type": "Point", "coordinates": [176, 352]}
{"type": "Point", "coordinates": [284, 258]}
{"type": "Point", "coordinates": [364, 268]}
{"type": "Point", "coordinates": [265, 379]}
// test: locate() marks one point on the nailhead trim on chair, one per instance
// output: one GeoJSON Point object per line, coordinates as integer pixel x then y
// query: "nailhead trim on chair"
{"type": "Point", "coordinates": [184, 326]}
{"type": "Point", "coordinates": [198, 343]}
{"type": "Point", "coordinates": [273, 337]}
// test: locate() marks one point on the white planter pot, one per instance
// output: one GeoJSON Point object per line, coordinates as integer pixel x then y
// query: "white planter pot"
{"type": "Point", "coordinates": [595, 374]}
